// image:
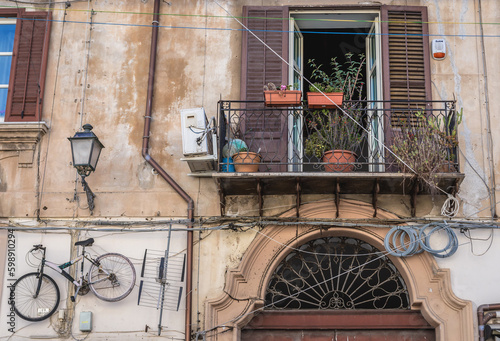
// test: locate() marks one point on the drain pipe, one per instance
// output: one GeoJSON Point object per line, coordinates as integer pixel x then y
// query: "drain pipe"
{"type": "Point", "coordinates": [161, 171]}
{"type": "Point", "coordinates": [483, 318]}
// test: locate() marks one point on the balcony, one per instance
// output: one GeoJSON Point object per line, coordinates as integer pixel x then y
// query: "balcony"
{"type": "Point", "coordinates": [284, 139]}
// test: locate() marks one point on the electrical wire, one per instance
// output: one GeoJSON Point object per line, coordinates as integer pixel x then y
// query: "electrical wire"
{"type": "Point", "coordinates": [42, 185]}
{"type": "Point", "coordinates": [241, 17]}
{"type": "Point", "coordinates": [466, 233]}
{"type": "Point", "coordinates": [275, 31]}
{"type": "Point", "coordinates": [446, 251]}
{"type": "Point", "coordinates": [309, 252]}
{"type": "Point", "coordinates": [450, 207]}
{"type": "Point", "coordinates": [44, 3]}
{"type": "Point", "coordinates": [402, 249]}
{"type": "Point", "coordinates": [299, 72]}
{"type": "Point", "coordinates": [489, 137]}
{"type": "Point", "coordinates": [160, 227]}
{"type": "Point", "coordinates": [289, 296]}
{"type": "Point", "coordinates": [292, 295]}
{"type": "Point", "coordinates": [409, 245]}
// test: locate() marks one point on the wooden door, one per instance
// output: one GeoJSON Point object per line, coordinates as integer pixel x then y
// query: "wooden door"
{"type": "Point", "coordinates": [339, 325]}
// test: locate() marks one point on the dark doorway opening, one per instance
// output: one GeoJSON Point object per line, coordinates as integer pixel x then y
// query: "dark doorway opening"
{"type": "Point", "coordinates": [323, 45]}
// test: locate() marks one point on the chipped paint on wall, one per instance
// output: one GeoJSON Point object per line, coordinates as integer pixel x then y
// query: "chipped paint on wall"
{"type": "Point", "coordinates": [473, 190]}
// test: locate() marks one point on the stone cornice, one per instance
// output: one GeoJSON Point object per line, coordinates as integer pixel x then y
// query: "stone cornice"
{"type": "Point", "coordinates": [22, 138]}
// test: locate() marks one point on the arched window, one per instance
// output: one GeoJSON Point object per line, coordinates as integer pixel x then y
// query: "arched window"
{"type": "Point", "coordinates": [336, 273]}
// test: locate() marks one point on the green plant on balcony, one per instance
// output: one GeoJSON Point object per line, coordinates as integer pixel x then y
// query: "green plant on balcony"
{"type": "Point", "coordinates": [282, 96]}
{"type": "Point", "coordinates": [246, 161]}
{"type": "Point", "coordinates": [332, 129]}
{"type": "Point", "coordinates": [337, 131]}
{"type": "Point", "coordinates": [343, 82]}
{"type": "Point", "coordinates": [425, 145]}
{"type": "Point", "coordinates": [446, 128]}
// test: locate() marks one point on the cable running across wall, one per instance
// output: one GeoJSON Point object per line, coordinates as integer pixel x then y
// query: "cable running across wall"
{"type": "Point", "coordinates": [241, 30]}
{"type": "Point", "coordinates": [299, 72]}
{"type": "Point", "coordinates": [229, 17]}
{"type": "Point", "coordinates": [381, 255]}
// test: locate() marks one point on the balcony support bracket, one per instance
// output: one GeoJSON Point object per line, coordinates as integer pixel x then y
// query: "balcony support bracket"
{"type": "Point", "coordinates": [376, 190]}
{"type": "Point", "coordinates": [337, 197]}
{"type": "Point", "coordinates": [455, 187]}
{"type": "Point", "coordinates": [413, 196]}
{"type": "Point", "coordinates": [222, 197]}
{"type": "Point", "coordinates": [261, 200]}
{"type": "Point", "coordinates": [297, 199]}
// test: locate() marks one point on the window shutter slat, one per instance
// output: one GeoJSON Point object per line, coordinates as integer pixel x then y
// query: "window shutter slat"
{"type": "Point", "coordinates": [407, 54]}
{"type": "Point", "coordinates": [28, 67]}
{"type": "Point", "coordinates": [259, 67]}
{"type": "Point", "coordinates": [406, 60]}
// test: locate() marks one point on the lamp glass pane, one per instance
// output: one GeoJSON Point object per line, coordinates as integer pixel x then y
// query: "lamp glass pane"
{"type": "Point", "coordinates": [96, 151]}
{"type": "Point", "coordinates": [81, 151]}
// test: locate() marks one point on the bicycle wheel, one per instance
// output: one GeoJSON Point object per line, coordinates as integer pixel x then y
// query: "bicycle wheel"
{"type": "Point", "coordinates": [38, 308]}
{"type": "Point", "coordinates": [114, 277]}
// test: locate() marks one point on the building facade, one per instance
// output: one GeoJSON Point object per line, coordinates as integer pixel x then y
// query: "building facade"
{"type": "Point", "coordinates": [398, 243]}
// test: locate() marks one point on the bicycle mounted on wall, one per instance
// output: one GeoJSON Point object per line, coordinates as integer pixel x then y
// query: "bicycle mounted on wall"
{"type": "Point", "coordinates": [111, 277]}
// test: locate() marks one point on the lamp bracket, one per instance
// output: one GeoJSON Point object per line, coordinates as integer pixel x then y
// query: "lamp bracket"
{"type": "Point", "coordinates": [90, 195]}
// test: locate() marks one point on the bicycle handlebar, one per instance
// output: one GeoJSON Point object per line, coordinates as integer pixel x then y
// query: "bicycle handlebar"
{"type": "Point", "coordinates": [37, 247]}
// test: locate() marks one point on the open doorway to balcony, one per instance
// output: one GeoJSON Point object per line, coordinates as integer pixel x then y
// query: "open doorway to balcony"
{"type": "Point", "coordinates": [323, 36]}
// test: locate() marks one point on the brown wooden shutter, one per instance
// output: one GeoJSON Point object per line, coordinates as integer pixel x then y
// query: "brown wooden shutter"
{"type": "Point", "coordinates": [405, 53]}
{"type": "Point", "coordinates": [27, 76]}
{"type": "Point", "coordinates": [267, 132]}
{"type": "Point", "coordinates": [261, 65]}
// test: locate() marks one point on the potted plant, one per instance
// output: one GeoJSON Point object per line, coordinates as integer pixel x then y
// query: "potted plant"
{"type": "Point", "coordinates": [342, 82]}
{"type": "Point", "coordinates": [335, 134]}
{"type": "Point", "coordinates": [246, 161]}
{"type": "Point", "coordinates": [324, 96]}
{"type": "Point", "coordinates": [446, 128]}
{"type": "Point", "coordinates": [282, 97]}
{"type": "Point", "coordinates": [334, 137]}
{"type": "Point", "coordinates": [425, 145]}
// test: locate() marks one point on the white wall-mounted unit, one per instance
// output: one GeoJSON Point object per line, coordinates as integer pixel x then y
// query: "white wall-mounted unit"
{"type": "Point", "coordinates": [198, 140]}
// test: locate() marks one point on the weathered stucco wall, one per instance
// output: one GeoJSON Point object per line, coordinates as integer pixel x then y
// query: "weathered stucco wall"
{"type": "Point", "coordinates": [195, 67]}
{"type": "Point", "coordinates": [99, 76]}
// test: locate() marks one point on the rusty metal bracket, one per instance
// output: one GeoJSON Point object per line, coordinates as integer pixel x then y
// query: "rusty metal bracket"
{"type": "Point", "coordinates": [297, 203]}
{"type": "Point", "coordinates": [259, 193]}
{"type": "Point", "coordinates": [376, 190]}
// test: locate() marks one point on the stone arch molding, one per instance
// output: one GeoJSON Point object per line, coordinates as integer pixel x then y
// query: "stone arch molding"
{"type": "Point", "coordinates": [429, 286]}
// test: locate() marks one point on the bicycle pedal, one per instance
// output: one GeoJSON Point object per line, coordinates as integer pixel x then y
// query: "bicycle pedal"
{"type": "Point", "coordinates": [73, 299]}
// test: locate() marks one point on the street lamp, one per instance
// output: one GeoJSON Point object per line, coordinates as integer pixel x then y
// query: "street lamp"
{"type": "Point", "coordinates": [85, 149]}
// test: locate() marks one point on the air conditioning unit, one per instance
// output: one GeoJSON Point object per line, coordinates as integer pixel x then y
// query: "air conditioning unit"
{"type": "Point", "coordinates": [198, 140]}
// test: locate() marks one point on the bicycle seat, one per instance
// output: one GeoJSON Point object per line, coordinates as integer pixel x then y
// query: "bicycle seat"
{"type": "Point", "coordinates": [87, 242]}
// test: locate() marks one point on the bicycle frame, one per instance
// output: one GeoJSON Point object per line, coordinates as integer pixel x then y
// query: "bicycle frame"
{"type": "Point", "coordinates": [59, 268]}
{"type": "Point", "coordinates": [110, 276]}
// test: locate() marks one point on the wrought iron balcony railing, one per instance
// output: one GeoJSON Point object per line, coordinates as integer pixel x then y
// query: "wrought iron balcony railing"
{"type": "Point", "coordinates": [384, 135]}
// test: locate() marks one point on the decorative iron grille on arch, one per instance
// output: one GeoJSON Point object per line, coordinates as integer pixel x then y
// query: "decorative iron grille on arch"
{"type": "Point", "coordinates": [336, 273]}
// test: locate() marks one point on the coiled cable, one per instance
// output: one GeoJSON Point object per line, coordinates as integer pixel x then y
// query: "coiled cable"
{"type": "Point", "coordinates": [407, 245]}
{"type": "Point", "coordinates": [406, 241]}
{"type": "Point", "coordinates": [424, 240]}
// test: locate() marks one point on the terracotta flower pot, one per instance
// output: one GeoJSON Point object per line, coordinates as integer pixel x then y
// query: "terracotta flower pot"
{"type": "Point", "coordinates": [343, 160]}
{"type": "Point", "coordinates": [282, 98]}
{"type": "Point", "coordinates": [317, 100]}
{"type": "Point", "coordinates": [246, 162]}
